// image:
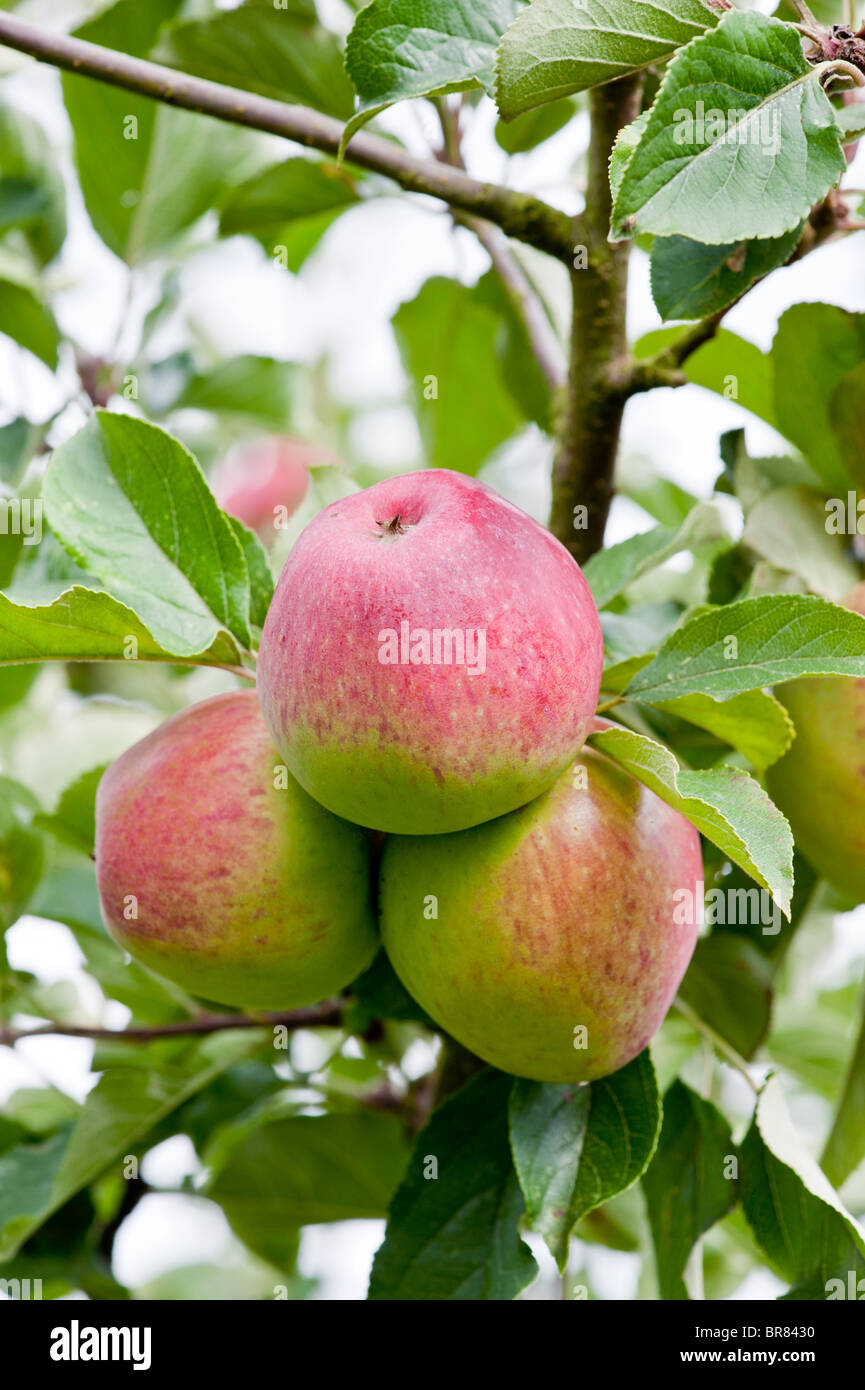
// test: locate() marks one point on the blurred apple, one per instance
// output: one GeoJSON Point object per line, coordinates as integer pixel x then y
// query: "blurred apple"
{"type": "Point", "coordinates": [264, 483]}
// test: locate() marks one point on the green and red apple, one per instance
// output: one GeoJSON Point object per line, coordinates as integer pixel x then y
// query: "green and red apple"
{"type": "Point", "coordinates": [216, 869]}
{"type": "Point", "coordinates": [551, 941]}
{"type": "Point", "coordinates": [432, 656]}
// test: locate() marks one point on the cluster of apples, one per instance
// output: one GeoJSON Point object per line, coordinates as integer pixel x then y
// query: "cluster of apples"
{"type": "Point", "coordinates": [430, 669]}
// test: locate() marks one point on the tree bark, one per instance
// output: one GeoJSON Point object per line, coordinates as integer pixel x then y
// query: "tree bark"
{"type": "Point", "coordinates": [594, 402]}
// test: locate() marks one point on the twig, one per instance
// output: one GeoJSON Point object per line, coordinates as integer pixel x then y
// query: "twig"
{"type": "Point", "coordinates": [167, 660]}
{"type": "Point", "coordinates": [522, 294]}
{"type": "Point", "coordinates": [525, 300]}
{"type": "Point", "coordinates": [827, 220]}
{"type": "Point", "coordinates": [727, 1052]}
{"type": "Point", "coordinates": [328, 1014]}
{"type": "Point", "coordinates": [519, 214]}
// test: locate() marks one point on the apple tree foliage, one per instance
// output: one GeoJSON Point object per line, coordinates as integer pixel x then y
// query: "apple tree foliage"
{"type": "Point", "coordinates": [142, 594]}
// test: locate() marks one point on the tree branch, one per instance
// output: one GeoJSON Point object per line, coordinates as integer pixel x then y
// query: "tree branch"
{"type": "Point", "coordinates": [328, 1014]}
{"type": "Point", "coordinates": [524, 298]}
{"type": "Point", "coordinates": [828, 219]}
{"type": "Point", "coordinates": [522, 216]}
{"type": "Point", "coordinates": [522, 294]}
{"type": "Point", "coordinates": [728, 1052]}
{"type": "Point", "coordinates": [590, 422]}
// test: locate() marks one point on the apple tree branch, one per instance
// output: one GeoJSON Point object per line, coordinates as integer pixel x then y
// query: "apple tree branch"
{"type": "Point", "coordinates": [520, 215]}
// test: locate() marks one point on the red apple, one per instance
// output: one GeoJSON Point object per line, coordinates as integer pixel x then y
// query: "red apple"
{"type": "Point", "coordinates": [218, 871]}
{"type": "Point", "coordinates": [431, 658]}
{"type": "Point", "coordinates": [265, 482]}
{"type": "Point", "coordinates": [550, 942]}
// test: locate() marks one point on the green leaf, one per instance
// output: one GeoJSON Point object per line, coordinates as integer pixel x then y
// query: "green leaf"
{"type": "Point", "coordinates": [754, 722]}
{"type": "Point", "coordinates": [727, 364]}
{"type": "Point", "coordinates": [18, 443]}
{"type": "Point", "coordinates": [851, 121]}
{"type": "Point", "coordinates": [279, 52]}
{"type": "Point", "coordinates": [27, 1176]}
{"type": "Point", "coordinates": [453, 1226]}
{"type": "Point", "coordinates": [288, 206]}
{"type": "Point", "coordinates": [154, 169]}
{"type": "Point", "coordinates": [721, 652]}
{"type": "Point", "coordinates": [846, 407]}
{"type": "Point", "coordinates": [22, 850]}
{"type": "Point", "coordinates": [811, 1040]}
{"type": "Point", "coordinates": [31, 183]}
{"type": "Point", "coordinates": [528, 131]}
{"type": "Point", "coordinates": [88, 625]}
{"type": "Point", "coordinates": [797, 1218]}
{"type": "Point", "coordinates": [74, 821]}
{"type": "Point", "coordinates": [691, 280]}
{"type": "Point", "coordinates": [728, 983]}
{"type": "Point", "coordinates": [255, 388]}
{"type": "Point", "coordinates": [626, 142]}
{"type": "Point", "coordinates": [686, 1186]}
{"type": "Point", "coordinates": [131, 504]}
{"type": "Point", "coordinates": [38, 1111]}
{"type": "Point", "coordinates": [448, 337]}
{"type": "Point", "coordinates": [273, 1177]}
{"type": "Point", "coordinates": [221, 1283]}
{"type": "Point", "coordinates": [637, 632]}
{"type": "Point", "coordinates": [23, 315]}
{"type": "Point", "coordinates": [752, 159]}
{"type": "Point", "coordinates": [788, 528]}
{"type": "Point", "coordinates": [575, 1147]}
{"type": "Point", "coordinates": [258, 569]}
{"type": "Point", "coordinates": [21, 202]}
{"type": "Point", "coordinates": [827, 11]}
{"type": "Point", "coordinates": [557, 47]}
{"type": "Point", "coordinates": [663, 499]}
{"type": "Point", "coordinates": [418, 48]}
{"type": "Point", "coordinates": [845, 1147]}
{"type": "Point", "coordinates": [756, 478]}
{"type": "Point", "coordinates": [68, 894]}
{"type": "Point", "coordinates": [520, 372]}
{"type": "Point", "coordinates": [815, 348]}
{"type": "Point", "coordinates": [126, 1103]}
{"type": "Point", "coordinates": [613, 569]}
{"type": "Point", "coordinates": [382, 994]}
{"type": "Point", "coordinates": [726, 805]}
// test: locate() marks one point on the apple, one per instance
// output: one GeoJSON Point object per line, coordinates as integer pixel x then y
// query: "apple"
{"type": "Point", "coordinates": [431, 658]}
{"type": "Point", "coordinates": [549, 942]}
{"type": "Point", "coordinates": [218, 871]}
{"type": "Point", "coordinates": [819, 784]}
{"type": "Point", "coordinates": [265, 482]}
